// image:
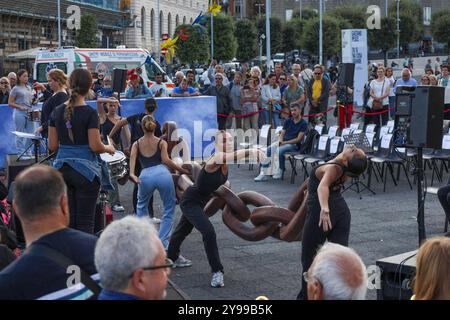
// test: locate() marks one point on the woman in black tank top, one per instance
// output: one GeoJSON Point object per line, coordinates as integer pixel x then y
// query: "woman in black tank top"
{"type": "Point", "coordinates": [151, 152]}
{"type": "Point", "coordinates": [328, 216]}
{"type": "Point", "coordinates": [212, 176]}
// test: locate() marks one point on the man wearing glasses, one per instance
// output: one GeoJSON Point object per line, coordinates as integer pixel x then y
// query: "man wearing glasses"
{"type": "Point", "coordinates": [318, 93]}
{"type": "Point", "coordinates": [131, 261]}
{"type": "Point", "coordinates": [224, 103]}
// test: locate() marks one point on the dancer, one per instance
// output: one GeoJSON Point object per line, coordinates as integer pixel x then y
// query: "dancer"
{"type": "Point", "coordinates": [328, 216]}
{"type": "Point", "coordinates": [135, 122]}
{"type": "Point", "coordinates": [212, 176]}
{"type": "Point", "coordinates": [107, 122]}
{"type": "Point", "coordinates": [74, 132]}
{"type": "Point", "coordinates": [152, 155]}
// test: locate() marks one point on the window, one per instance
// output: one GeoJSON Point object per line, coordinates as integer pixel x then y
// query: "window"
{"type": "Point", "coordinates": [143, 25]}
{"type": "Point", "coordinates": [177, 21]}
{"type": "Point", "coordinates": [184, 20]}
{"type": "Point", "coordinates": [152, 23]}
{"type": "Point", "coordinates": [41, 70]}
{"type": "Point", "coordinates": [169, 24]}
{"type": "Point", "coordinates": [426, 16]}
{"type": "Point", "coordinates": [190, 21]}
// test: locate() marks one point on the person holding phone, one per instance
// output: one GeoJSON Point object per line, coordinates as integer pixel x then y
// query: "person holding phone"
{"type": "Point", "coordinates": [158, 89]}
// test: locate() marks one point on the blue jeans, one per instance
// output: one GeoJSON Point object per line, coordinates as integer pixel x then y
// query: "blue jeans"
{"type": "Point", "coordinates": [275, 118]}
{"type": "Point", "coordinates": [22, 124]}
{"type": "Point", "coordinates": [281, 150]}
{"type": "Point", "coordinates": [159, 178]}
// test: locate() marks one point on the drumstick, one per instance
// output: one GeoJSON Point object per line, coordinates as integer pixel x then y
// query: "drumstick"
{"type": "Point", "coordinates": [110, 142]}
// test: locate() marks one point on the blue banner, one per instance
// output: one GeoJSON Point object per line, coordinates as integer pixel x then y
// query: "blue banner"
{"type": "Point", "coordinates": [196, 119]}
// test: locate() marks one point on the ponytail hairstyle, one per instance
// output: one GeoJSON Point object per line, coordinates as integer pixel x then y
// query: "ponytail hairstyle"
{"type": "Point", "coordinates": [80, 82]}
{"type": "Point", "coordinates": [59, 76]}
{"type": "Point", "coordinates": [148, 124]}
{"type": "Point", "coordinates": [150, 105]}
{"type": "Point", "coordinates": [356, 166]}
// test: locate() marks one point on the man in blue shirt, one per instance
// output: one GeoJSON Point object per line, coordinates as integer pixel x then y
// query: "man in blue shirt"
{"type": "Point", "coordinates": [406, 80]}
{"type": "Point", "coordinates": [183, 90]}
{"type": "Point", "coordinates": [290, 139]}
{"type": "Point", "coordinates": [131, 261]}
{"type": "Point", "coordinates": [40, 202]}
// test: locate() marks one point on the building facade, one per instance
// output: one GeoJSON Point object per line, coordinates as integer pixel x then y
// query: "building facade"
{"type": "Point", "coordinates": [28, 24]}
{"type": "Point", "coordinates": [143, 30]}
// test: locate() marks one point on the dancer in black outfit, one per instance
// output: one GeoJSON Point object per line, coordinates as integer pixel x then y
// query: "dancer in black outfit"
{"type": "Point", "coordinates": [328, 216]}
{"type": "Point", "coordinates": [212, 176]}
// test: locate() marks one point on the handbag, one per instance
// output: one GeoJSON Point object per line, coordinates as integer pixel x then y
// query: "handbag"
{"type": "Point", "coordinates": [377, 104]}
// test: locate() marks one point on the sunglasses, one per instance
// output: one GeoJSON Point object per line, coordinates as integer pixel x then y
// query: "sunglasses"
{"type": "Point", "coordinates": [282, 78]}
{"type": "Point", "coordinates": [3, 82]}
{"type": "Point", "coordinates": [317, 74]}
{"type": "Point", "coordinates": [218, 78]}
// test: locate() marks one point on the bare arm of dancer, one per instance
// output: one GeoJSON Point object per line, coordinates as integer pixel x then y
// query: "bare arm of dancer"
{"type": "Point", "coordinates": [330, 175]}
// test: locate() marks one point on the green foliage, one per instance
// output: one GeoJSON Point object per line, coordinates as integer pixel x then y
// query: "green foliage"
{"type": "Point", "coordinates": [225, 44]}
{"type": "Point", "coordinates": [354, 14]}
{"type": "Point", "coordinates": [411, 26]}
{"type": "Point", "coordinates": [86, 37]}
{"type": "Point", "coordinates": [439, 27]}
{"type": "Point", "coordinates": [383, 38]}
{"type": "Point", "coordinates": [276, 39]}
{"type": "Point", "coordinates": [331, 35]}
{"type": "Point", "coordinates": [247, 40]}
{"type": "Point", "coordinates": [307, 13]}
{"type": "Point", "coordinates": [196, 47]}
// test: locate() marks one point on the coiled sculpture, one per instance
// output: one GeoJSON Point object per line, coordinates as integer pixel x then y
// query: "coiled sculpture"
{"type": "Point", "coordinates": [267, 219]}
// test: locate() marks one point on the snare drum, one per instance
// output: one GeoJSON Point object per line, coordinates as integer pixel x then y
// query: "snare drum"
{"type": "Point", "coordinates": [34, 115]}
{"type": "Point", "coordinates": [117, 164]}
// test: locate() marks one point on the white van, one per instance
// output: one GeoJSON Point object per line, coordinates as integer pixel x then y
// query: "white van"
{"type": "Point", "coordinates": [97, 61]}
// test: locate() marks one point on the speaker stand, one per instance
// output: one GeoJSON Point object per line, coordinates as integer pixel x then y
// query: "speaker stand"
{"type": "Point", "coordinates": [420, 199]}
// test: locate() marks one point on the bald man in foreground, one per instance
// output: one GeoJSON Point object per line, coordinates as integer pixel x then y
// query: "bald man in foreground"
{"type": "Point", "coordinates": [337, 273]}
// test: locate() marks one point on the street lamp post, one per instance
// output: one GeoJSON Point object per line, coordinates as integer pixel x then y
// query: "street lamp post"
{"type": "Point", "coordinates": [398, 29]}
{"type": "Point", "coordinates": [158, 33]}
{"type": "Point", "coordinates": [59, 23]}
{"type": "Point", "coordinates": [300, 8]}
{"type": "Point", "coordinates": [268, 59]}
{"type": "Point", "coordinates": [320, 31]}
{"type": "Point", "coordinates": [261, 39]}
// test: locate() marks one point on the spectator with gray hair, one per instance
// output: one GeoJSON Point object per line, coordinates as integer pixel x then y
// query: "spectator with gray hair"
{"type": "Point", "coordinates": [131, 261]}
{"type": "Point", "coordinates": [12, 77]}
{"type": "Point", "coordinates": [40, 202]}
{"type": "Point", "coordinates": [337, 273]}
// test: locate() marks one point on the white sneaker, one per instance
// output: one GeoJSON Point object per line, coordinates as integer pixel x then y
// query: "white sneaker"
{"type": "Point", "coordinates": [261, 177]}
{"type": "Point", "coordinates": [278, 174]}
{"type": "Point", "coordinates": [155, 220]}
{"type": "Point", "coordinates": [217, 280]}
{"type": "Point", "coordinates": [182, 262]}
{"type": "Point", "coordinates": [118, 208]}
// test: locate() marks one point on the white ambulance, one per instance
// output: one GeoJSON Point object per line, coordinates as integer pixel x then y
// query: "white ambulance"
{"type": "Point", "coordinates": [98, 61]}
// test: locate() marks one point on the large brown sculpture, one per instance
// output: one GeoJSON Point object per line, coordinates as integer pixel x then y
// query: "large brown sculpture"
{"type": "Point", "coordinates": [267, 218]}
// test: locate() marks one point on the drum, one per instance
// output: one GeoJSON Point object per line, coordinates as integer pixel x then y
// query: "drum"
{"type": "Point", "coordinates": [117, 164]}
{"type": "Point", "coordinates": [34, 115]}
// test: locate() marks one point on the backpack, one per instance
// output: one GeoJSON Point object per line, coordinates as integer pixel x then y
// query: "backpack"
{"type": "Point", "coordinates": [307, 146]}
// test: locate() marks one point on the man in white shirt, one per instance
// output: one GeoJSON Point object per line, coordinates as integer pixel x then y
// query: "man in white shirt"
{"type": "Point", "coordinates": [158, 89]}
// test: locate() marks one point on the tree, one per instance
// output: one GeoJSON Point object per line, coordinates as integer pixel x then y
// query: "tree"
{"type": "Point", "coordinates": [225, 43]}
{"type": "Point", "coordinates": [247, 40]}
{"type": "Point", "coordinates": [439, 28]}
{"type": "Point", "coordinates": [383, 38]}
{"type": "Point", "coordinates": [411, 26]}
{"type": "Point", "coordinates": [288, 37]}
{"type": "Point", "coordinates": [276, 39]}
{"type": "Point", "coordinates": [354, 14]}
{"type": "Point", "coordinates": [299, 27]}
{"type": "Point", "coordinates": [331, 35]}
{"type": "Point", "coordinates": [307, 14]}
{"type": "Point", "coordinates": [86, 36]}
{"type": "Point", "coordinates": [196, 46]}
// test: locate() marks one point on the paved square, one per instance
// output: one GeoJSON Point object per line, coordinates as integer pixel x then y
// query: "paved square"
{"type": "Point", "coordinates": [382, 225]}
